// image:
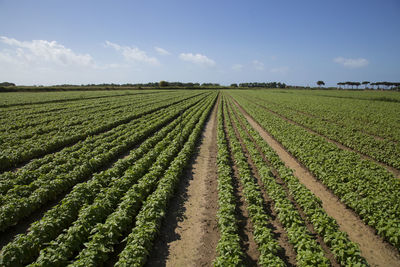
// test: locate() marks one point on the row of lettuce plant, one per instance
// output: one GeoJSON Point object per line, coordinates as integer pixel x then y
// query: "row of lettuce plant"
{"type": "Point", "coordinates": [66, 159]}
{"type": "Point", "coordinates": [36, 115]}
{"type": "Point", "coordinates": [20, 100]}
{"type": "Point", "coordinates": [229, 251]}
{"type": "Point", "coordinates": [370, 190]}
{"type": "Point", "coordinates": [65, 126]}
{"type": "Point", "coordinates": [44, 118]}
{"type": "Point", "coordinates": [263, 236]}
{"type": "Point", "coordinates": [381, 150]}
{"type": "Point", "coordinates": [12, 157]}
{"type": "Point", "coordinates": [148, 220]}
{"type": "Point", "coordinates": [377, 118]}
{"type": "Point", "coordinates": [17, 205]}
{"type": "Point", "coordinates": [133, 189]}
{"type": "Point", "coordinates": [27, 179]}
{"type": "Point", "coordinates": [71, 122]}
{"type": "Point", "coordinates": [309, 252]}
{"type": "Point", "coordinates": [345, 251]}
{"type": "Point", "coordinates": [25, 247]}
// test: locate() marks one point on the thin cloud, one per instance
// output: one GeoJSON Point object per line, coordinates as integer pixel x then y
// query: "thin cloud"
{"type": "Point", "coordinates": [351, 62]}
{"type": "Point", "coordinates": [162, 51]}
{"type": "Point", "coordinates": [237, 67]}
{"type": "Point", "coordinates": [280, 70]}
{"type": "Point", "coordinates": [198, 59]}
{"type": "Point", "coordinates": [42, 52]}
{"type": "Point", "coordinates": [133, 54]}
{"type": "Point", "coordinates": [258, 65]}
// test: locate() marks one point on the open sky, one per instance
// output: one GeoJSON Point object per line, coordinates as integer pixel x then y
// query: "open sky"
{"type": "Point", "coordinates": [223, 41]}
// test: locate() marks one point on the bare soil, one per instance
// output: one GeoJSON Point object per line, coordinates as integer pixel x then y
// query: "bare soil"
{"type": "Point", "coordinates": [189, 234]}
{"type": "Point", "coordinates": [373, 248]}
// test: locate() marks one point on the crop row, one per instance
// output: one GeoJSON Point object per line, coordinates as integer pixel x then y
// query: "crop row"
{"type": "Point", "coordinates": [309, 252]}
{"type": "Point", "coordinates": [381, 150]}
{"type": "Point", "coordinates": [268, 246]}
{"type": "Point", "coordinates": [22, 99]}
{"type": "Point", "coordinates": [61, 131]}
{"type": "Point", "coordinates": [364, 186]}
{"type": "Point", "coordinates": [148, 221]}
{"type": "Point", "coordinates": [46, 118]}
{"type": "Point", "coordinates": [9, 158]}
{"type": "Point", "coordinates": [110, 216]}
{"type": "Point", "coordinates": [24, 199]}
{"type": "Point", "coordinates": [44, 115]}
{"type": "Point", "coordinates": [378, 118]}
{"type": "Point", "coordinates": [344, 251]}
{"type": "Point", "coordinates": [25, 248]}
{"type": "Point", "coordinates": [65, 131]}
{"type": "Point", "coordinates": [229, 252]}
{"type": "Point", "coordinates": [67, 159]}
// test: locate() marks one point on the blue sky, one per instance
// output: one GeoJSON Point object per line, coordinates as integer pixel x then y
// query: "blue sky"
{"type": "Point", "coordinates": [296, 42]}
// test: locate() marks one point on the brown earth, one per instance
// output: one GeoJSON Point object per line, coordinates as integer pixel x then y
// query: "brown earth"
{"type": "Point", "coordinates": [373, 248]}
{"type": "Point", "coordinates": [189, 234]}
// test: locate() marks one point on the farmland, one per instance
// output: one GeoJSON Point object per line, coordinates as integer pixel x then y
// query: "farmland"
{"type": "Point", "coordinates": [200, 178]}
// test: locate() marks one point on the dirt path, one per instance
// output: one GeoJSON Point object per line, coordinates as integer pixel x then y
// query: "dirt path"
{"type": "Point", "coordinates": [391, 169]}
{"type": "Point", "coordinates": [189, 234]}
{"type": "Point", "coordinates": [373, 248]}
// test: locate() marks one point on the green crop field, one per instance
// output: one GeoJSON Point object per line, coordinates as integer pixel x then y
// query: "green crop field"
{"type": "Point", "coordinates": [266, 177]}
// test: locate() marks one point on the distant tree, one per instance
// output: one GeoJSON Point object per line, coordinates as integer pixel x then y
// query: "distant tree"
{"type": "Point", "coordinates": [234, 85]}
{"type": "Point", "coordinates": [350, 84]}
{"type": "Point", "coordinates": [340, 85]}
{"type": "Point", "coordinates": [357, 84]}
{"type": "Point", "coordinates": [163, 84]}
{"type": "Point", "coordinates": [365, 84]}
{"type": "Point", "coordinates": [281, 85]}
{"type": "Point", "coordinates": [4, 84]}
{"type": "Point", "coordinates": [319, 83]}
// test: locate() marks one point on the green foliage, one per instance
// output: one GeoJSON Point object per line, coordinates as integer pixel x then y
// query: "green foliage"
{"type": "Point", "coordinates": [25, 248]}
{"type": "Point", "coordinates": [309, 252]}
{"type": "Point", "coordinates": [364, 186]}
{"type": "Point", "coordinates": [345, 251]}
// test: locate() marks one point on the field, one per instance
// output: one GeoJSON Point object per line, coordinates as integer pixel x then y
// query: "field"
{"type": "Point", "coordinates": [200, 178]}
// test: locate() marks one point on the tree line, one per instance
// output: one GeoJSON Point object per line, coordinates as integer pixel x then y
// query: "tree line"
{"type": "Point", "coordinates": [375, 85]}
{"type": "Point", "coordinates": [261, 85]}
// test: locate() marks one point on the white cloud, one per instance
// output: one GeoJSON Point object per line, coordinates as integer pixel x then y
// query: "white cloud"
{"type": "Point", "coordinates": [162, 51]}
{"type": "Point", "coordinates": [280, 70]}
{"type": "Point", "coordinates": [237, 67]}
{"type": "Point", "coordinates": [351, 62]}
{"type": "Point", "coordinates": [133, 54]}
{"type": "Point", "coordinates": [39, 52]}
{"type": "Point", "coordinates": [197, 59]}
{"type": "Point", "coordinates": [258, 65]}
